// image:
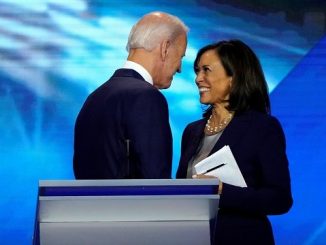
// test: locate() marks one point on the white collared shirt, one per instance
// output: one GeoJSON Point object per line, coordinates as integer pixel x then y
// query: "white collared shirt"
{"type": "Point", "coordinates": [140, 69]}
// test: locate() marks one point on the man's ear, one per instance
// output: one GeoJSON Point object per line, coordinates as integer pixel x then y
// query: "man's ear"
{"type": "Point", "coordinates": [165, 49]}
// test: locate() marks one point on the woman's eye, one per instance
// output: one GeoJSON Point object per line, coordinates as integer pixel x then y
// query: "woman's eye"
{"type": "Point", "coordinates": [203, 69]}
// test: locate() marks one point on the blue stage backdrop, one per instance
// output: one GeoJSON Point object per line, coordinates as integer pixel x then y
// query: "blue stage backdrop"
{"type": "Point", "coordinates": [53, 53]}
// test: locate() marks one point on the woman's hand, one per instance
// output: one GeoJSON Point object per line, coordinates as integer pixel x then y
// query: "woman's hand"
{"type": "Point", "coordinates": [203, 176]}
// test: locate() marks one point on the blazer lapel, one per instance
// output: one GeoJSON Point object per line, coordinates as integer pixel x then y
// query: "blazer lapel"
{"type": "Point", "coordinates": [233, 133]}
{"type": "Point", "coordinates": [194, 140]}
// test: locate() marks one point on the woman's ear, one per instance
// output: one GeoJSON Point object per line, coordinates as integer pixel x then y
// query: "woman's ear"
{"type": "Point", "coordinates": [165, 49]}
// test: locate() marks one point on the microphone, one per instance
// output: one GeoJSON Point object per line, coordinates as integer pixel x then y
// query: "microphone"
{"type": "Point", "coordinates": [127, 141]}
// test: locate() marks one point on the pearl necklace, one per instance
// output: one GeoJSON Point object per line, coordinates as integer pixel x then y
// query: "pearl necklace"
{"type": "Point", "coordinates": [222, 125]}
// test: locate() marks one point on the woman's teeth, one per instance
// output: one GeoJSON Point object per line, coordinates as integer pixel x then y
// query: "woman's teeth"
{"type": "Point", "coordinates": [203, 89]}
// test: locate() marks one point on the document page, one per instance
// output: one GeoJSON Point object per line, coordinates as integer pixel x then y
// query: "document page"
{"type": "Point", "coordinates": [222, 165]}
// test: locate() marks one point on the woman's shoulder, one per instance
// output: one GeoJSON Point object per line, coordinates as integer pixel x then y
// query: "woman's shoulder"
{"type": "Point", "coordinates": [262, 122]}
{"type": "Point", "coordinates": [259, 116]}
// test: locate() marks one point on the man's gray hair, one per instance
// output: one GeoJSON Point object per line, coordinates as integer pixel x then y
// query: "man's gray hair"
{"type": "Point", "coordinates": [148, 33]}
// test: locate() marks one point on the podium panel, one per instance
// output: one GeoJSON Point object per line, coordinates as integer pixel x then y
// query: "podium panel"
{"type": "Point", "coordinates": [125, 233]}
{"type": "Point", "coordinates": [125, 212]}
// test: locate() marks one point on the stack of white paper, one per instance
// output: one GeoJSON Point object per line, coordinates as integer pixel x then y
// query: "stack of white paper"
{"type": "Point", "coordinates": [222, 165]}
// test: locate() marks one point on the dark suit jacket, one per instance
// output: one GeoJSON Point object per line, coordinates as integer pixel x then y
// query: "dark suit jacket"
{"type": "Point", "coordinates": [124, 109]}
{"type": "Point", "coordinates": [258, 144]}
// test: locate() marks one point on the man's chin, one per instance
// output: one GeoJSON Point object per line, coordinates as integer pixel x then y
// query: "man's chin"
{"type": "Point", "coordinates": [169, 83]}
{"type": "Point", "coordinates": [163, 85]}
{"type": "Point", "coordinates": [167, 86]}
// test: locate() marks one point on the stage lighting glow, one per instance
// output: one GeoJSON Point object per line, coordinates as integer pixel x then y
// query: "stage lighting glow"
{"type": "Point", "coordinates": [54, 53]}
{"type": "Point", "coordinates": [75, 5]}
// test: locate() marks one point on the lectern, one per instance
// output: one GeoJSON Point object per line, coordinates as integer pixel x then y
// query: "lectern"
{"type": "Point", "coordinates": [96, 212]}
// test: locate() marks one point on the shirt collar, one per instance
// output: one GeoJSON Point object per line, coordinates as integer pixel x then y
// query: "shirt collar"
{"type": "Point", "coordinates": [140, 69]}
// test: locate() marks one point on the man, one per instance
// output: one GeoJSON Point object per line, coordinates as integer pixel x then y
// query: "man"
{"type": "Point", "coordinates": [123, 130]}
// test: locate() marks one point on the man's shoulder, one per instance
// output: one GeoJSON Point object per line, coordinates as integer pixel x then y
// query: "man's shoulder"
{"type": "Point", "coordinates": [130, 81]}
{"type": "Point", "coordinates": [128, 75]}
{"type": "Point", "coordinates": [128, 84]}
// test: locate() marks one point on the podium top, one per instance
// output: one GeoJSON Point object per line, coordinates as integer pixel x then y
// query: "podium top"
{"type": "Point", "coordinates": [125, 187]}
{"type": "Point", "coordinates": [127, 182]}
{"type": "Point", "coordinates": [127, 200]}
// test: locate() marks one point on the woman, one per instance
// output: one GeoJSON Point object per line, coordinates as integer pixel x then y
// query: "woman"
{"type": "Point", "coordinates": [231, 81]}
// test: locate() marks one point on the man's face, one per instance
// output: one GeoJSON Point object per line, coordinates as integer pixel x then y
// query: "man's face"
{"type": "Point", "coordinates": [172, 63]}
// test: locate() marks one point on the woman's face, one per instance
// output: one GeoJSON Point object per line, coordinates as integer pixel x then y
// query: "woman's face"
{"type": "Point", "coordinates": [213, 83]}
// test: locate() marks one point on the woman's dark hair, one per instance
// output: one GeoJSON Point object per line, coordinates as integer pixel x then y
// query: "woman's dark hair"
{"type": "Point", "coordinates": [249, 89]}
